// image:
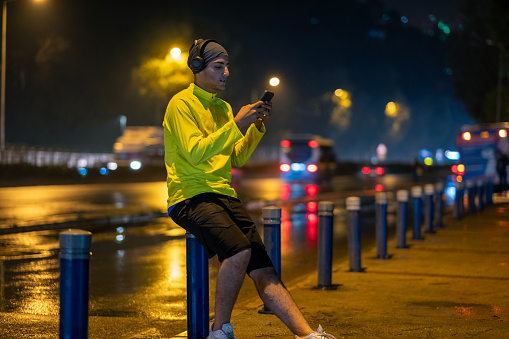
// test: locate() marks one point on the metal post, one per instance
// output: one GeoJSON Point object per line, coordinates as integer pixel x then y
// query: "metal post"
{"type": "Point", "coordinates": [458, 201]}
{"type": "Point", "coordinates": [381, 225]}
{"type": "Point", "coordinates": [480, 195]}
{"type": "Point", "coordinates": [417, 202]}
{"type": "Point", "coordinates": [429, 191]}
{"type": "Point", "coordinates": [2, 82]}
{"type": "Point", "coordinates": [462, 199]}
{"type": "Point", "coordinates": [402, 197]}
{"type": "Point", "coordinates": [272, 240]}
{"type": "Point", "coordinates": [325, 235]}
{"type": "Point", "coordinates": [439, 191]}
{"type": "Point", "coordinates": [2, 285]}
{"type": "Point", "coordinates": [197, 269]}
{"type": "Point", "coordinates": [471, 197]}
{"type": "Point", "coordinates": [353, 206]}
{"type": "Point", "coordinates": [74, 283]}
{"type": "Point", "coordinates": [489, 191]}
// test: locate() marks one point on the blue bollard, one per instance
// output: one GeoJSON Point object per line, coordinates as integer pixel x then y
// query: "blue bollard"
{"type": "Point", "coordinates": [480, 195]}
{"type": "Point", "coordinates": [353, 206]}
{"type": "Point", "coordinates": [272, 241]}
{"type": "Point", "coordinates": [402, 197]}
{"type": "Point", "coordinates": [197, 267]}
{"type": "Point", "coordinates": [74, 283]}
{"type": "Point", "coordinates": [439, 192]}
{"type": "Point", "coordinates": [429, 192]}
{"type": "Point", "coordinates": [417, 202]}
{"type": "Point", "coordinates": [325, 237]}
{"type": "Point", "coordinates": [471, 197]}
{"type": "Point", "coordinates": [381, 225]}
{"type": "Point", "coordinates": [457, 201]}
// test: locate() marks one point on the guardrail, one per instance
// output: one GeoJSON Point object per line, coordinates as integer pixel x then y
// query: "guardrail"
{"type": "Point", "coordinates": [46, 157]}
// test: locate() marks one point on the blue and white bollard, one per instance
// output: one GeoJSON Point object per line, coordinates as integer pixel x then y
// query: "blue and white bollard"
{"type": "Point", "coordinates": [439, 191]}
{"type": "Point", "coordinates": [471, 197]}
{"type": "Point", "coordinates": [325, 237]}
{"type": "Point", "coordinates": [481, 199]}
{"type": "Point", "coordinates": [417, 204]}
{"type": "Point", "coordinates": [272, 240]}
{"type": "Point", "coordinates": [429, 192]}
{"type": "Point", "coordinates": [197, 267]}
{"type": "Point", "coordinates": [74, 283]}
{"type": "Point", "coordinates": [458, 201]}
{"type": "Point", "coordinates": [353, 206]}
{"type": "Point", "coordinates": [381, 225]}
{"type": "Point", "coordinates": [402, 197]}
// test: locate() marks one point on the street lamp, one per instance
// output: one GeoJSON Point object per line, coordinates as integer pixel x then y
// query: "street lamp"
{"type": "Point", "coordinates": [2, 94]}
{"type": "Point", "coordinates": [274, 81]}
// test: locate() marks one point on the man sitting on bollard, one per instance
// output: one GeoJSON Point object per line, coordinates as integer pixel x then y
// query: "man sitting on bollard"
{"type": "Point", "coordinates": [202, 141]}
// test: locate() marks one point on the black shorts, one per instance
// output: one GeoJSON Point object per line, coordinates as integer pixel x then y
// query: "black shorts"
{"type": "Point", "coordinates": [222, 226]}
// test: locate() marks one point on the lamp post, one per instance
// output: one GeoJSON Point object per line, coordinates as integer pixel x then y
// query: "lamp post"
{"type": "Point", "coordinates": [2, 100]}
{"type": "Point", "coordinates": [2, 91]}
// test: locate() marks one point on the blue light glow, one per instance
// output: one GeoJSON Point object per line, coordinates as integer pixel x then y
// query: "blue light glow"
{"type": "Point", "coordinates": [451, 155]}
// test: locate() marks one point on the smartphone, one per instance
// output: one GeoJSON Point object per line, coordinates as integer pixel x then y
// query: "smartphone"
{"type": "Point", "coordinates": [267, 96]}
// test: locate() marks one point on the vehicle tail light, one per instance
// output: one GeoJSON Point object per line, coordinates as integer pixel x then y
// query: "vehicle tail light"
{"type": "Point", "coordinates": [312, 168]}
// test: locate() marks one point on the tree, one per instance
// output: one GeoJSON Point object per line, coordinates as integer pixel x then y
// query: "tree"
{"type": "Point", "coordinates": [481, 60]}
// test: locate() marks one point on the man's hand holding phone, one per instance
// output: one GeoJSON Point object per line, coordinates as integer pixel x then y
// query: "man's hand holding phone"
{"type": "Point", "coordinates": [266, 105]}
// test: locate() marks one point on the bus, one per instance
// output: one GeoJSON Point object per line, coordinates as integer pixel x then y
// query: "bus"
{"type": "Point", "coordinates": [483, 150]}
{"type": "Point", "coordinates": [308, 158]}
{"type": "Point", "coordinates": [139, 146]}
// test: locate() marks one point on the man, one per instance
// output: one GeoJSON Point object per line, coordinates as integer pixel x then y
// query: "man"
{"type": "Point", "coordinates": [202, 141]}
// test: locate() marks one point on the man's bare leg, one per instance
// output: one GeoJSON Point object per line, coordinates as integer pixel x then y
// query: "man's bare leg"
{"type": "Point", "coordinates": [229, 281]}
{"type": "Point", "coordinates": [277, 298]}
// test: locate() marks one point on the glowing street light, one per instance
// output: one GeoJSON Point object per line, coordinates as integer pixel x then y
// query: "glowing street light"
{"type": "Point", "coordinates": [274, 81]}
{"type": "Point", "coordinates": [176, 53]}
{"type": "Point", "coordinates": [391, 109]}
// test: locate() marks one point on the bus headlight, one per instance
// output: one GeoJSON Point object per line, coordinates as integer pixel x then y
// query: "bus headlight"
{"type": "Point", "coordinates": [135, 165]}
{"type": "Point", "coordinates": [298, 167]}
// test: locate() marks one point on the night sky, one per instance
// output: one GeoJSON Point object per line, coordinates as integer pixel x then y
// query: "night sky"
{"type": "Point", "coordinates": [74, 67]}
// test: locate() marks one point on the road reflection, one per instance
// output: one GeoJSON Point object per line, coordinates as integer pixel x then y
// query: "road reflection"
{"type": "Point", "coordinates": [33, 205]}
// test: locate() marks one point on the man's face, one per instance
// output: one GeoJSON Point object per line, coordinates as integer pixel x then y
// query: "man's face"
{"type": "Point", "coordinates": [213, 77]}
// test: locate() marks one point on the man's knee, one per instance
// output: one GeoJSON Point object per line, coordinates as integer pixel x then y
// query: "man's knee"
{"type": "Point", "coordinates": [265, 276]}
{"type": "Point", "coordinates": [241, 258]}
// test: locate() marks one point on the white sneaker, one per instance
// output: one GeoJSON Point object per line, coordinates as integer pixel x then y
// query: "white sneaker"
{"type": "Point", "coordinates": [318, 334]}
{"type": "Point", "coordinates": [226, 332]}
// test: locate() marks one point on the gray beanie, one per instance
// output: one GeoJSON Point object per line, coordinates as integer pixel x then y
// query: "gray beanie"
{"type": "Point", "coordinates": [212, 51]}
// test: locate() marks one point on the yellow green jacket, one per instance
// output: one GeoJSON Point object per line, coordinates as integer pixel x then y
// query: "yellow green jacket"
{"type": "Point", "coordinates": [201, 143]}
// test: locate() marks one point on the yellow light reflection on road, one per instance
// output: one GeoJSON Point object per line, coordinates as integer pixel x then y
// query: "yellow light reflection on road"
{"type": "Point", "coordinates": [171, 284]}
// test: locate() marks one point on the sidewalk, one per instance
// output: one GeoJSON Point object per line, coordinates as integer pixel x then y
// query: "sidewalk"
{"type": "Point", "coordinates": [454, 283]}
